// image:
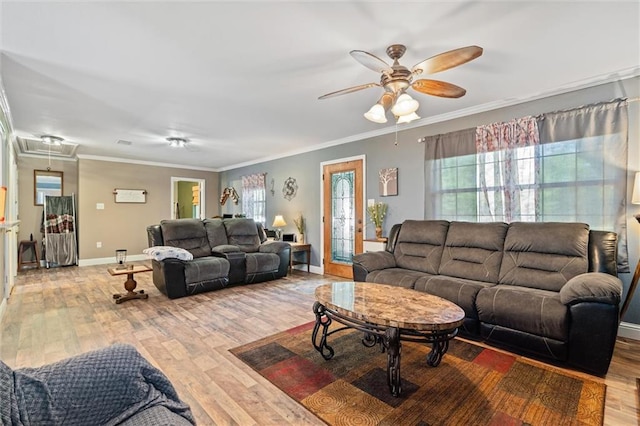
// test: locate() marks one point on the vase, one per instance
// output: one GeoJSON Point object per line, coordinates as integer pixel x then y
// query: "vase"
{"type": "Point", "coordinates": [300, 238]}
{"type": "Point", "coordinates": [378, 232]}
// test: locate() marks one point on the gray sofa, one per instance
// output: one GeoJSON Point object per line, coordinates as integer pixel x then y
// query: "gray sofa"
{"type": "Point", "coordinates": [547, 290]}
{"type": "Point", "coordinates": [110, 386]}
{"type": "Point", "coordinates": [225, 252]}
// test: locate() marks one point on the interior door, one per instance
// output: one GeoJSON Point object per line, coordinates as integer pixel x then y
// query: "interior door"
{"type": "Point", "coordinates": [342, 216]}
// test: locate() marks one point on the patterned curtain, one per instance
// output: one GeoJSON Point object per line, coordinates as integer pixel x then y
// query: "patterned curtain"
{"type": "Point", "coordinates": [508, 167]}
{"type": "Point", "coordinates": [254, 197]}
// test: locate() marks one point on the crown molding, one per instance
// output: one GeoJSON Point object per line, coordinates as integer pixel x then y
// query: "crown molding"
{"type": "Point", "coordinates": [144, 163]}
{"type": "Point", "coordinates": [611, 77]}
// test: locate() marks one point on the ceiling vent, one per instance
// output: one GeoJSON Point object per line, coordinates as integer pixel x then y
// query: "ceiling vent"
{"type": "Point", "coordinates": [38, 147]}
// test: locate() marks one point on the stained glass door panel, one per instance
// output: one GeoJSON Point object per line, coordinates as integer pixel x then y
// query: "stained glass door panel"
{"type": "Point", "coordinates": [342, 216]}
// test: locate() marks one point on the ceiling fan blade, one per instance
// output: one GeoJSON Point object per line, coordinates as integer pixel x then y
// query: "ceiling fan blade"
{"type": "Point", "coordinates": [447, 60]}
{"type": "Point", "coordinates": [371, 61]}
{"type": "Point", "coordinates": [438, 88]}
{"type": "Point", "coordinates": [349, 90]}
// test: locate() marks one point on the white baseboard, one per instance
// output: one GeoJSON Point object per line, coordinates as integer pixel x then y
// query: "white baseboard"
{"type": "Point", "coordinates": [106, 260]}
{"type": "Point", "coordinates": [629, 330]}
{"type": "Point", "coordinates": [312, 269]}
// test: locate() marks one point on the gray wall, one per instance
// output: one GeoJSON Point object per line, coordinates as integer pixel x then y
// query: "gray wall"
{"type": "Point", "coordinates": [408, 156]}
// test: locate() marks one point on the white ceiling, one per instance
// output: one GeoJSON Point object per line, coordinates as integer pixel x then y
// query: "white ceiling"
{"type": "Point", "coordinates": [240, 80]}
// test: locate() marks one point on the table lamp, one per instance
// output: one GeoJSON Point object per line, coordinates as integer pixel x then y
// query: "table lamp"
{"type": "Point", "coordinates": [121, 258]}
{"type": "Point", "coordinates": [278, 223]}
{"type": "Point", "coordinates": [635, 199]}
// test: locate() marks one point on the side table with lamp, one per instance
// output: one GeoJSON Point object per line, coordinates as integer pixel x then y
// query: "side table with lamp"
{"type": "Point", "coordinates": [635, 199]}
{"type": "Point", "coordinates": [130, 284]}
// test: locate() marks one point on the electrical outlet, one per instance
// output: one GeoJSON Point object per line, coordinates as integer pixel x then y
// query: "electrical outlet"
{"type": "Point", "coordinates": [99, 206]}
{"type": "Point", "coordinates": [99, 244]}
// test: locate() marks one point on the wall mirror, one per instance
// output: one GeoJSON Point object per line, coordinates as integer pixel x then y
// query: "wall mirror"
{"type": "Point", "coordinates": [46, 182]}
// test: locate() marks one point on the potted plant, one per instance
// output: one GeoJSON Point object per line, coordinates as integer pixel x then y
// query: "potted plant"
{"type": "Point", "coordinates": [299, 222]}
{"type": "Point", "coordinates": [377, 213]}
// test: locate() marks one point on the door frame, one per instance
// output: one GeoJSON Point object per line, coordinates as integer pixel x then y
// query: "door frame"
{"type": "Point", "coordinates": [364, 197]}
{"type": "Point", "coordinates": [174, 184]}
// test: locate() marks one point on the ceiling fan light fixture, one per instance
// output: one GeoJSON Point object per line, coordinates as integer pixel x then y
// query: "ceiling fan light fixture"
{"type": "Point", "coordinates": [51, 140]}
{"type": "Point", "coordinates": [408, 118]}
{"type": "Point", "coordinates": [405, 105]}
{"type": "Point", "coordinates": [376, 114]}
{"type": "Point", "coordinates": [177, 142]}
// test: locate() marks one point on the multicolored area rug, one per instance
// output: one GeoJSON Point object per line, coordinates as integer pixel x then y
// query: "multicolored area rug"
{"type": "Point", "coordinates": [472, 385]}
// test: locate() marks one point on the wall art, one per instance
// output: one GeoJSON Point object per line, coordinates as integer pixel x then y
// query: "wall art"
{"type": "Point", "coordinates": [388, 179]}
{"type": "Point", "coordinates": [290, 188]}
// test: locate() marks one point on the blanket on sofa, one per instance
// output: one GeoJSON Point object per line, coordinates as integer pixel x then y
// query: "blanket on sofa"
{"type": "Point", "coordinates": [105, 387]}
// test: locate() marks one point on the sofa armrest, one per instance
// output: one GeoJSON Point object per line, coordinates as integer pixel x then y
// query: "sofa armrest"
{"type": "Point", "coordinates": [283, 250]}
{"type": "Point", "coordinates": [596, 287]}
{"type": "Point", "coordinates": [274, 247]}
{"type": "Point", "coordinates": [226, 248]}
{"type": "Point", "coordinates": [375, 260]}
{"type": "Point", "coordinates": [237, 261]}
{"type": "Point", "coordinates": [364, 263]}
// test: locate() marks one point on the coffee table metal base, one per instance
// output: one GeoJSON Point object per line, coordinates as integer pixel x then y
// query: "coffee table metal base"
{"type": "Point", "coordinates": [389, 339]}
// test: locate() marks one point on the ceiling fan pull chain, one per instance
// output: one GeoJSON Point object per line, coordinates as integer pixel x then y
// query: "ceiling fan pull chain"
{"type": "Point", "coordinates": [396, 142]}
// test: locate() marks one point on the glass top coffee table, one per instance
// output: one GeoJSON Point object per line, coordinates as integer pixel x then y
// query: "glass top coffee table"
{"type": "Point", "coordinates": [387, 315]}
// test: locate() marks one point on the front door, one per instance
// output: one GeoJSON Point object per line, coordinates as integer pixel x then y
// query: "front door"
{"type": "Point", "coordinates": [342, 215]}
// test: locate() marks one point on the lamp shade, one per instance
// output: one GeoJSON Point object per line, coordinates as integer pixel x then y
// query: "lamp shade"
{"type": "Point", "coordinates": [408, 118]}
{"type": "Point", "coordinates": [404, 105]}
{"type": "Point", "coordinates": [279, 222]}
{"type": "Point", "coordinates": [635, 197]}
{"type": "Point", "coordinates": [376, 114]}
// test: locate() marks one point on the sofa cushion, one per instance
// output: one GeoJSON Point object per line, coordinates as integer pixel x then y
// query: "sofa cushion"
{"type": "Point", "coordinates": [205, 269]}
{"type": "Point", "coordinates": [243, 233]}
{"type": "Point", "coordinates": [262, 262]}
{"type": "Point", "coordinates": [216, 232]}
{"type": "Point", "coordinates": [188, 234]}
{"type": "Point", "coordinates": [474, 250]}
{"type": "Point", "coordinates": [420, 244]}
{"type": "Point", "coordinates": [395, 276]}
{"type": "Point", "coordinates": [460, 291]}
{"type": "Point", "coordinates": [530, 310]}
{"type": "Point", "coordinates": [544, 255]}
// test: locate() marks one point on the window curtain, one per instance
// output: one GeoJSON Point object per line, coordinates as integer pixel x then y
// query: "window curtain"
{"type": "Point", "coordinates": [508, 167]}
{"type": "Point", "coordinates": [450, 176]}
{"type": "Point", "coordinates": [254, 197]}
{"type": "Point", "coordinates": [564, 166]}
{"type": "Point", "coordinates": [585, 172]}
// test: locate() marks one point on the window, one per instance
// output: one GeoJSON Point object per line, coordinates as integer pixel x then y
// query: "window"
{"type": "Point", "coordinates": [254, 197]}
{"type": "Point", "coordinates": [575, 172]}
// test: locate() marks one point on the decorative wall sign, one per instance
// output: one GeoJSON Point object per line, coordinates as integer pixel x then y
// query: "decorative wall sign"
{"type": "Point", "coordinates": [388, 181]}
{"type": "Point", "coordinates": [290, 188]}
{"type": "Point", "coordinates": [130, 195]}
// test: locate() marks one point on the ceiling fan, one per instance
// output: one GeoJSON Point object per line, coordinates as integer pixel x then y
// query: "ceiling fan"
{"type": "Point", "coordinates": [396, 79]}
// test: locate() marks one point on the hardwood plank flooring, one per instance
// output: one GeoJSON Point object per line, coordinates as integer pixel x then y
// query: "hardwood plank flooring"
{"type": "Point", "coordinates": [56, 313]}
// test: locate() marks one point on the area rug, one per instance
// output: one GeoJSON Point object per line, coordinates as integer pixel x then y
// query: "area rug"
{"type": "Point", "coordinates": [471, 386]}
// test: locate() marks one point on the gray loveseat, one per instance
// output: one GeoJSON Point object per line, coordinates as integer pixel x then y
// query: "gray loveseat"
{"type": "Point", "coordinates": [225, 252]}
{"type": "Point", "coordinates": [547, 290]}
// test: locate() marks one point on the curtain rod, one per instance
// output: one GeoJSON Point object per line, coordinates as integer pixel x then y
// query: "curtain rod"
{"type": "Point", "coordinates": [636, 99]}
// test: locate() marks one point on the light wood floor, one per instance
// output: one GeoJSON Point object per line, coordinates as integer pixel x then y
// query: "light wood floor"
{"type": "Point", "coordinates": [56, 313]}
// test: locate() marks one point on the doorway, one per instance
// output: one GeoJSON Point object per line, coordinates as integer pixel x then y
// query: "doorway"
{"type": "Point", "coordinates": [342, 207]}
{"type": "Point", "coordinates": [187, 198]}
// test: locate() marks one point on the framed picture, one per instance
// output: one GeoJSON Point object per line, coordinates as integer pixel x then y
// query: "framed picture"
{"type": "Point", "coordinates": [46, 182]}
{"type": "Point", "coordinates": [388, 179]}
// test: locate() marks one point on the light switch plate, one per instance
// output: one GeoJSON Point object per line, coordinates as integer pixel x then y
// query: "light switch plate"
{"type": "Point", "coordinates": [370, 202]}
{"type": "Point", "coordinates": [100, 206]}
